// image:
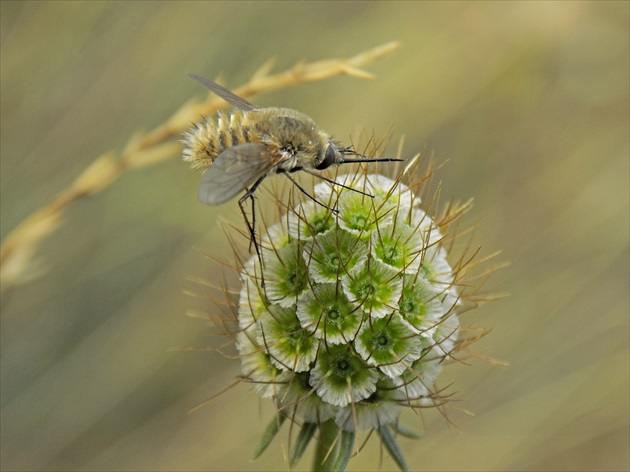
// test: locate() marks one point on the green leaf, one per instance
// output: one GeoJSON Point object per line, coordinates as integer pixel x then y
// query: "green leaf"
{"type": "Point", "coordinates": [269, 434]}
{"type": "Point", "coordinates": [391, 444]}
{"type": "Point", "coordinates": [345, 451]}
{"type": "Point", "coordinates": [306, 434]}
{"type": "Point", "coordinates": [327, 447]}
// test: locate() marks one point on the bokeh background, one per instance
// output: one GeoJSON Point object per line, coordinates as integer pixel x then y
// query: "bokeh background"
{"type": "Point", "coordinates": [527, 101]}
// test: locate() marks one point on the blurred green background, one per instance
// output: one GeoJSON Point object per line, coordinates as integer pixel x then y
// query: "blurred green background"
{"type": "Point", "coordinates": [528, 102]}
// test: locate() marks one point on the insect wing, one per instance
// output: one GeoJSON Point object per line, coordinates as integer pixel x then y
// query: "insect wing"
{"type": "Point", "coordinates": [224, 93]}
{"type": "Point", "coordinates": [234, 170]}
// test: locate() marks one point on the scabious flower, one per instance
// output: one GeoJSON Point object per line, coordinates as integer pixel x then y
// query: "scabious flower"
{"type": "Point", "coordinates": [350, 312]}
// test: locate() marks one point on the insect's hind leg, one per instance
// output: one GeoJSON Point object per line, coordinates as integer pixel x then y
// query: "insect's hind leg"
{"type": "Point", "coordinates": [251, 225]}
{"type": "Point", "coordinates": [252, 239]}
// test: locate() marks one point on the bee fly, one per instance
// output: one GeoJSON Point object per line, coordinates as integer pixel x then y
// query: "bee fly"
{"type": "Point", "coordinates": [239, 151]}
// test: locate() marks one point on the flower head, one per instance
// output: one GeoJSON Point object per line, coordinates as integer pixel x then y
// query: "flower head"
{"type": "Point", "coordinates": [357, 314]}
{"type": "Point", "coordinates": [359, 301]}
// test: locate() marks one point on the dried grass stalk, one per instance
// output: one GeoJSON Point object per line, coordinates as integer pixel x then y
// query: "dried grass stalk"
{"type": "Point", "coordinates": [18, 250]}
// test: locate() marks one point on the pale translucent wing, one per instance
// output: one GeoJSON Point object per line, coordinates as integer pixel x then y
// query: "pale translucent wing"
{"type": "Point", "coordinates": [234, 170]}
{"type": "Point", "coordinates": [224, 93]}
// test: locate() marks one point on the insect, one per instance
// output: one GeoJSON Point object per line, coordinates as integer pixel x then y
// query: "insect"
{"type": "Point", "coordinates": [239, 151]}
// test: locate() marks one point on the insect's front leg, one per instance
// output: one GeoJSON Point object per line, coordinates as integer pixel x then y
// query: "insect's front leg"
{"type": "Point", "coordinates": [308, 194]}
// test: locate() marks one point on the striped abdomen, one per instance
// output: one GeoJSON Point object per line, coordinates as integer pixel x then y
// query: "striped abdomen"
{"type": "Point", "coordinates": [206, 140]}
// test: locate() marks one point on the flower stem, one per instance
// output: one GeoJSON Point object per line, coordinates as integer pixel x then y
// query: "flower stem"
{"type": "Point", "coordinates": [327, 447]}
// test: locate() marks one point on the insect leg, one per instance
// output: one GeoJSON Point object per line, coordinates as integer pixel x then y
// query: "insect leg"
{"type": "Point", "coordinates": [308, 194]}
{"type": "Point", "coordinates": [253, 238]}
{"type": "Point", "coordinates": [332, 182]}
{"type": "Point", "coordinates": [251, 226]}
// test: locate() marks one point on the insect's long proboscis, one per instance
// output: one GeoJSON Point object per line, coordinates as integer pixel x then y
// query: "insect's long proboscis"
{"type": "Point", "coordinates": [370, 159]}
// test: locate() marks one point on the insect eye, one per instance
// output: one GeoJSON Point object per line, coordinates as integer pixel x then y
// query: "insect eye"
{"type": "Point", "coordinates": [329, 158]}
